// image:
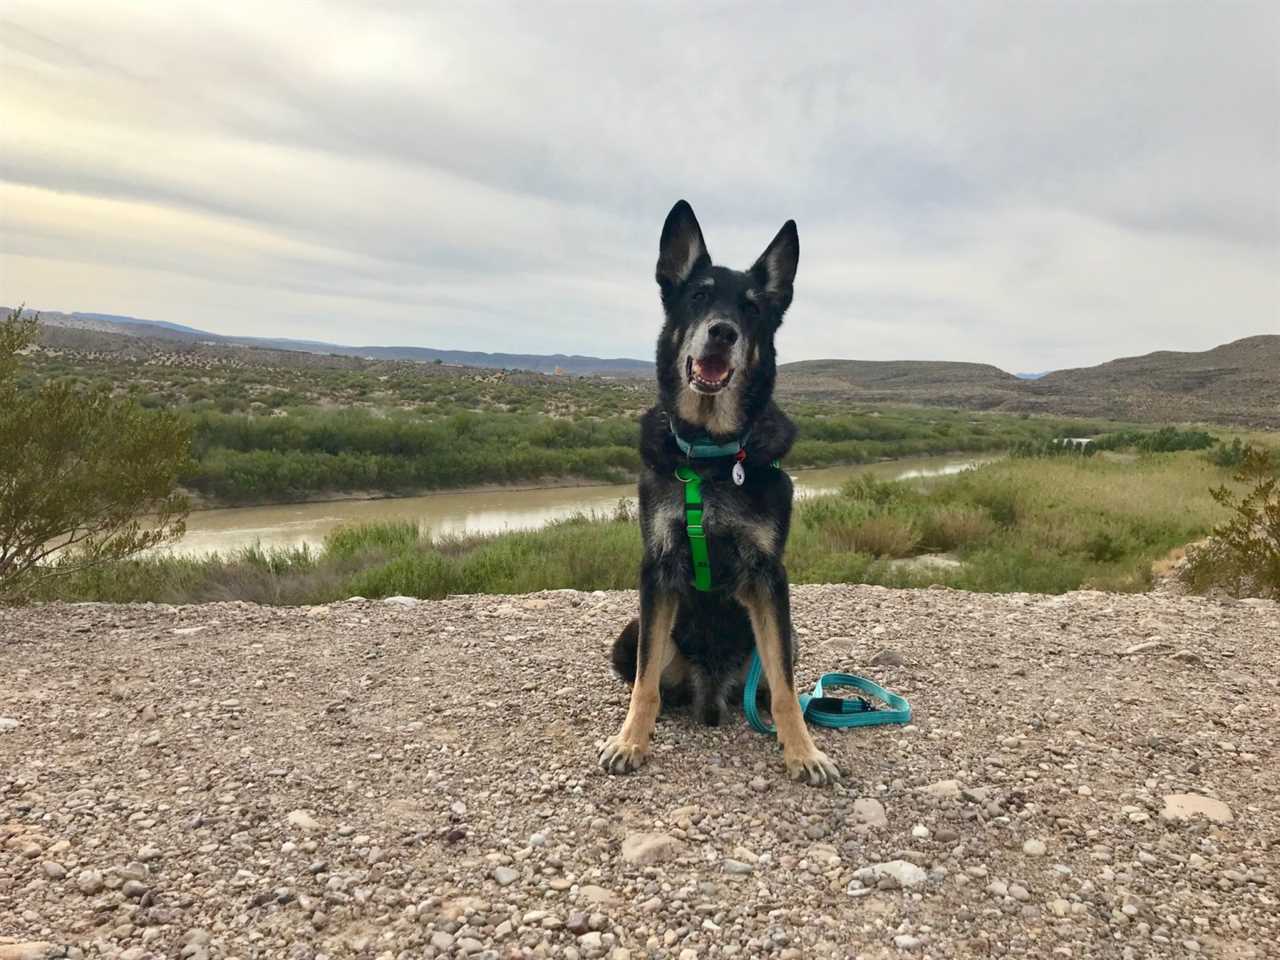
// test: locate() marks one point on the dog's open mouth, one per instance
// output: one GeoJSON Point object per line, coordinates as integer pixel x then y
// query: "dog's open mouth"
{"type": "Point", "coordinates": [708, 375]}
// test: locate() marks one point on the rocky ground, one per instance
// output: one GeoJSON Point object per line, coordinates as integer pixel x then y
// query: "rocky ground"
{"type": "Point", "coordinates": [1086, 776]}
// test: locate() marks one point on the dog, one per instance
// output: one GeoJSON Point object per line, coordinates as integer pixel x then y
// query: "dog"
{"type": "Point", "coordinates": [716, 369]}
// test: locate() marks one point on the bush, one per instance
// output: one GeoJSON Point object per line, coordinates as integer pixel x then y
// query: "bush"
{"type": "Point", "coordinates": [1243, 553]}
{"type": "Point", "coordinates": [85, 477]}
{"type": "Point", "coordinates": [952, 527]}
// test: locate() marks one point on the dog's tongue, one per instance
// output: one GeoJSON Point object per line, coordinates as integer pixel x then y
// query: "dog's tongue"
{"type": "Point", "coordinates": [712, 369]}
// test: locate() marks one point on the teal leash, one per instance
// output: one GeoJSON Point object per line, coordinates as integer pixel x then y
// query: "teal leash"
{"type": "Point", "coordinates": [823, 710]}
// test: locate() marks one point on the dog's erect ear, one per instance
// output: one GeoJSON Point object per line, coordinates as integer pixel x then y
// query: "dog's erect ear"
{"type": "Point", "coordinates": [681, 249]}
{"type": "Point", "coordinates": [776, 268]}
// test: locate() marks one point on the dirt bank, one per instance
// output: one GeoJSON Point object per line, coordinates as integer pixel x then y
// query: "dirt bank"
{"type": "Point", "coordinates": [390, 780]}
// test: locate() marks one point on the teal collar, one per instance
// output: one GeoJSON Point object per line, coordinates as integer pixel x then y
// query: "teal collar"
{"type": "Point", "coordinates": [703, 449]}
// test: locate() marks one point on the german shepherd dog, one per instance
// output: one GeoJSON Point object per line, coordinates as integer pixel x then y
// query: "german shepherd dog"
{"type": "Point", "coordinates": [716, 369]}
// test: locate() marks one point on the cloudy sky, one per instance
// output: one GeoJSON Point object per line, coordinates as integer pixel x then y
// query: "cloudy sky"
{"type": "Point", "coordinates": [1033, 184]}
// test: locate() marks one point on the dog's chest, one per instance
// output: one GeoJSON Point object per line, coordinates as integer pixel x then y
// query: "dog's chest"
{"type": "Point", "coordinates": [732, 522]}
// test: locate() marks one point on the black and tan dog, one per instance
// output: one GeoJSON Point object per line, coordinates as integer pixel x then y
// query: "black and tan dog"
{"type": "Point", "coordinates": [716, 372]}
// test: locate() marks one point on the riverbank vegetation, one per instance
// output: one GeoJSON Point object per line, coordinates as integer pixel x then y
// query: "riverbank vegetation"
{"type": "Point", "coordinates": [1041, 525]}
{"type": "Point", "coordinates": [240, 459]}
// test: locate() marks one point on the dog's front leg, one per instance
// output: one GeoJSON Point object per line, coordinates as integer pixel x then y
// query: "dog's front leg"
{"type": "Point", "coordinates": [628, 749]}
{"type": "Point", "coordinates": [768, 602]}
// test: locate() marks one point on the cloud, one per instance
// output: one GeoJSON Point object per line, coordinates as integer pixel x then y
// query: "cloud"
{"type": "Point", "coordinates": [1032, 185]}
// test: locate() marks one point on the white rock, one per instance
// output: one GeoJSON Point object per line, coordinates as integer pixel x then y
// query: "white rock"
{"type": "Point", "coordinates": [1034, 848]}
{"type": "Point", "coordinates": [904, 871]}
{"type": "Point", "coordinates": [401, 601]}
{"type": "Point", "coordinates": [8, 723]}
{"type": "Point", "coordinates": [650, 848]}
{"type": "Point", "coordinates": [869, 814]}
{"type": "Point", "coordinates": [1184, 806]}
{"type": "Point", "coordinates": [303, 820]}
{"type": "Point", "coordinates": [944, 789]}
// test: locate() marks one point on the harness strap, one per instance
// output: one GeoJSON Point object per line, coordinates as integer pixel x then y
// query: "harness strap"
{"type": "Point", "coordinates": [693, 527]}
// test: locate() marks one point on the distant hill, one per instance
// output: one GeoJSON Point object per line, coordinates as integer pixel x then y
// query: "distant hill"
{"type": "Point", "coordinates": [539, 363]}
{"type": "Point", "coordinates": [1236, 383]}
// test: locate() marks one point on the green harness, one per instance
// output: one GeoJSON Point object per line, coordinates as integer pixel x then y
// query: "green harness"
{"type": "Point", "coordinates": [819, 707]}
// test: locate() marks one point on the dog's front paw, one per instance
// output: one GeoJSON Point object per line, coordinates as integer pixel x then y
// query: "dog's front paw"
{"type": "Point", "coordinates": [814, 768]}
{"type": "Point", "coordinates": [620, 756]}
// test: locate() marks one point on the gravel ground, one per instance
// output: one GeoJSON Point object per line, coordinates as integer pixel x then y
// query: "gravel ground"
{"type": "Point", "coordinates": [418, 779]}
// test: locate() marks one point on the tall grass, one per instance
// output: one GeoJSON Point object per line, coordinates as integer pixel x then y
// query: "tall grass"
{"type": "Point", "coordinates": [1040, 525]}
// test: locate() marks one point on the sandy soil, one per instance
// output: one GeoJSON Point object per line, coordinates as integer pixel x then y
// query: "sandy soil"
{"type": "Point", "coordinates": [1087, 776]}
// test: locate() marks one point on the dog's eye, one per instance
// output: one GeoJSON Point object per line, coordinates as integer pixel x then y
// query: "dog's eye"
{"type": "Point", "coordinates": [699, 296]}
{"type": "Point", "coordinates": [750, 310]}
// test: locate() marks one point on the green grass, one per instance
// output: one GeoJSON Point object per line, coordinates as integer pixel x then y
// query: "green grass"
{"type": "Point", "coordinates": [1036, 525]}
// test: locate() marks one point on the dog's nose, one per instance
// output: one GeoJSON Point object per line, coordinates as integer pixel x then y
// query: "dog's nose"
{"type": "Point", "coordinates": [724, 333]}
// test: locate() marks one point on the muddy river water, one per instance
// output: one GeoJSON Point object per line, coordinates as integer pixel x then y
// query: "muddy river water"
{"type": "Point", "coordinates": [480, 511]}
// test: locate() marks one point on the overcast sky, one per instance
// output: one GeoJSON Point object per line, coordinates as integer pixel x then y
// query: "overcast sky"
{"type": "Point", "coordinates": [1037, 185]}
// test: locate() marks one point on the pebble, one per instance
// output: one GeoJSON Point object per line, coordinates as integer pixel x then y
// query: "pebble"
{"type": "Point", "coordinates": [89, 882]}
{"type": "Point", "coordinates": [903, 872]}
{"type": "Point", "coordinates": [1034, 847]}
{"type": "Point", "coordinates": [869, 813]}
{"type": "Point", "coordinates": [505, 876]}
{"type": "Point", "coordinates": [303, 820]}
{"type": "Point", "coordinates": [8, 724]}
{"type": "Point", "coordinates": [1187, 806]}
{"type": "Point", "coordinates": [649, 848]}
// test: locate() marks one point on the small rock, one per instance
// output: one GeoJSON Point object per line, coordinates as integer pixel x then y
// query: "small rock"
{"type": "Point", "coordinates": [442, 941]}
{"type": "Point", "coordinates": [1147, 647]}
{"type": "Point", "coordinates": [920, 831]}
{"type": "Point", "coordinates": [944, 789]}
{"type": "Point", "coordinates": [868, 814]}
{"type": "Point", "coordinates": [505, 876]}
{"type": "Point", "coordinates": [27, 950]}
{"type": "Point", "coordinates": [89, 882]}
{"type": "Point", "coordinates": [597, 895]}
{"type": "Point", "coordinates": [1034, 848]}
{"type": "Point", "coordinates": [905, 941]}
{"type": "Point", "coordinates": [1184, 806]}
{"type": "Point", "coordinates": [7, 725]}
{"type": "Point", "coordinates": [904, 872]}
{"type": "Point", "coordinates": [399, 601]}
{"type": "Point", "coordinates": [888, 658]}
{"type": "Point", "coordinates": [737, 867]}
{"type": "Point", "coordinates": [646, 848]}
{"type": "Point", "coordinates": [54, 871]}
{"type": "Point", "coordinates": [303, 820]}
{"type": "Point", "coordinates": [134, 889]}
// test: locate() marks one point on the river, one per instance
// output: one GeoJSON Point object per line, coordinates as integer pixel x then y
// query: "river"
{"type": "Point", "coordinates": [480, 511]}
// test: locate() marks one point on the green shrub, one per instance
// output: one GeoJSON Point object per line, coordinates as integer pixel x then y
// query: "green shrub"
{"type": "Point", "coordinates": [85, 477]}
{"type": "Point", "coordinates": [1243, 552]}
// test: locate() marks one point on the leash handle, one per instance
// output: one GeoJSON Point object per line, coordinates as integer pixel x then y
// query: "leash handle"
{"type": "Point", "coordinates": [826, 711]}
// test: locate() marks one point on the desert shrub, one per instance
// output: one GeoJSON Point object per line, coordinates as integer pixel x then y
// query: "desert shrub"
{"type": "Point", "coordinates": [1163, 440]}
{"type": "Point", "coordinates": [1229, 454]}
{"type": "Point", "coordinates": [949, 527]}
{"type": "Point", "coordinates": [1054, 447]}
{"type": "Point", "coordinates": [1243, 552]}
{"type": "Point", "coordinates": [85, 477]}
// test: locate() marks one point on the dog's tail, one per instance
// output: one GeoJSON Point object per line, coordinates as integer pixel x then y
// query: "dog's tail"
{"type": "Point", "coordinates": [623, 654]}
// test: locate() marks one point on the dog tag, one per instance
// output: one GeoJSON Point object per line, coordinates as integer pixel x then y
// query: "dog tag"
{"type": "Point", "coordinates": [739, 475]}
